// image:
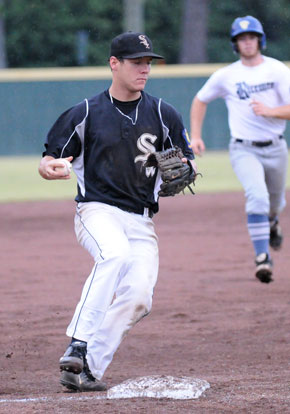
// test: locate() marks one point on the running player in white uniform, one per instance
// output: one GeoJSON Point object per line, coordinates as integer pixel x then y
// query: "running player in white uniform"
{"type": "Point", "coordinates": [256, 90]}
{"type": "Point", "coordinates": [108, 139]}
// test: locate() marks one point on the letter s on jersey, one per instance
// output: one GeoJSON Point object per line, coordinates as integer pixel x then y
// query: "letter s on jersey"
{"type": "Point", "coordinates": [145, 145]}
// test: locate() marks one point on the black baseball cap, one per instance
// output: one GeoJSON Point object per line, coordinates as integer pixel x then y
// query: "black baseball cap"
{"type": "Point", "coordinates": [131, 45]}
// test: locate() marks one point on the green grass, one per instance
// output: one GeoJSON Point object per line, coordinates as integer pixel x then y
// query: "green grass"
{"type": "Point", "coordinates": [217, 173]}
{"type": "Point", "coordinates": [20, 180]}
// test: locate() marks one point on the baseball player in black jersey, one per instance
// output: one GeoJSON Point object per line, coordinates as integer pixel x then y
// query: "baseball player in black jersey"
{"type": "Point", "coordinates": [108, 139]}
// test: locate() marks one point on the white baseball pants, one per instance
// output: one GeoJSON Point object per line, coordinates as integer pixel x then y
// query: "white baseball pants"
{"type": "Point", "coordinates": [119, 290]}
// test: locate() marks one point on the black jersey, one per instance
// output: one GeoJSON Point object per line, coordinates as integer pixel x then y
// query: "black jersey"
{"type": "Point", "coordinates": [110, 148]}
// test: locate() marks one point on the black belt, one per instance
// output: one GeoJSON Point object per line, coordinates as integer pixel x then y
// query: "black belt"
{"type": "Point", "coordinates": [258, 143]}
{"type": "Point", "coordinates": [148, 212]}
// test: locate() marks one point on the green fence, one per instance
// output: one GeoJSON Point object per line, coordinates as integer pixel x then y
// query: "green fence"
{"type": "Point", "coordinates": [31, 100]}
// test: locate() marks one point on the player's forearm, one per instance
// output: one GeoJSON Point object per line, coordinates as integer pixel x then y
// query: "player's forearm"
{"type": "Point", "coordinates": [281, 112]}
{"type": "Point", "coordinates": [197, 114]}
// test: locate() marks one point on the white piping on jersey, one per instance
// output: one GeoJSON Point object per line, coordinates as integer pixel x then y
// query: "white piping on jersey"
{"type": "Point", "coordinates": [158, 183]}
{"type": "Point", "coordinates": [164, 127]}
{"type": "Point", "coordinates": [158, 180]}
{"type": "Point", "coordinates": [78, 164]}
{"type": "Point", "coordinates": [127, 116]}
{"type": "Point", "coordinates": [87, 111]}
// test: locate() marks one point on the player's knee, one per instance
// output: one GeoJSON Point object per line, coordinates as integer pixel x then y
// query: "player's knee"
{"type": "Point", "coordinates": [278, 203]}
{"type": "Point", "coordinates": [141, 309]}
{"type": "Point", "coordinates": [142, 300]}
{"type": "Point", "coordinates": [258, 204]}
{"type": "Point", "coordinates": [138, 297]}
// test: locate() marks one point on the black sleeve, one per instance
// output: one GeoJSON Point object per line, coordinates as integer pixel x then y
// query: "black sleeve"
{"type": "Point", "coordinates": [63, 139]}
{"type": "Point", "coordinates": [177, 134]}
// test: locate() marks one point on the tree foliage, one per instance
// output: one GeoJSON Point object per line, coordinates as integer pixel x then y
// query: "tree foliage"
{"type": "Point", "coordinates": [162, 24]}
{"type": "Point", "coordinates": [42, 33]}
{"type": "Point", "coordinates": [274, 16]}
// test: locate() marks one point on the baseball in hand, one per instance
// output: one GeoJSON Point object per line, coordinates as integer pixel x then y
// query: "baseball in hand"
{"type": "Point", "coordinates": [65, 166]}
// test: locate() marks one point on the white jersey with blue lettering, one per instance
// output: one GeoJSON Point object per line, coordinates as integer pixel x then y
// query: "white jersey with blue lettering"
{"type": "Point", "coordinates": [239, 85]}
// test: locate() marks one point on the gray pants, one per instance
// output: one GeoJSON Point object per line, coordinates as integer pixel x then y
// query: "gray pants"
{"type": "Point", "coordinates": [262, 171]}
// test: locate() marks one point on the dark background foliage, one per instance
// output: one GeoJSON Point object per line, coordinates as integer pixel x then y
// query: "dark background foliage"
{"type": "Point", "coordinates": [42, 33]}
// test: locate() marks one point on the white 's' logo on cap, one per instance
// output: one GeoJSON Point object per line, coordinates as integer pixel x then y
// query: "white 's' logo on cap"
{"type": "Point", "coordinates": [144, 41]}
{"type": "Point", "coordinates": [244, 24]}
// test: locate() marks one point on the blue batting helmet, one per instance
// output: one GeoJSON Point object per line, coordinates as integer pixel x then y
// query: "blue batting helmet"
{"type": "Point", "coordinates": [247, 24]}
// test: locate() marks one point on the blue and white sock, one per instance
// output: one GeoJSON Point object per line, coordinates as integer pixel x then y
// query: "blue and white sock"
{"type": "Point", "coordinates": [259, 231]}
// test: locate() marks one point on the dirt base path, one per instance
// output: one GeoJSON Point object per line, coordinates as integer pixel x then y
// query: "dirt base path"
{"type": "Point", "coordinates": [210, 320]}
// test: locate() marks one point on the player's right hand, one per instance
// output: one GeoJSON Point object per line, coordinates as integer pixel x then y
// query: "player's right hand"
{"type": "Point", "coordinates": [50, 168]}
{"type": "Point", "coordinates": [197, 146]}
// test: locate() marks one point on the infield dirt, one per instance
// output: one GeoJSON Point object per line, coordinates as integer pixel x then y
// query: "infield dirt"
{"type": "Point", "coordinates": [211, 319]}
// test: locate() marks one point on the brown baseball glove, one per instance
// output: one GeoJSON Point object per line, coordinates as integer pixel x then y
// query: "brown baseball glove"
{"type": "Point", "coordinates": [176, 175]}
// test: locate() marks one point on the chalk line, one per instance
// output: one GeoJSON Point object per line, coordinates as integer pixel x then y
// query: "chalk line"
{"type": "Point", "coordinates": [156, 386]}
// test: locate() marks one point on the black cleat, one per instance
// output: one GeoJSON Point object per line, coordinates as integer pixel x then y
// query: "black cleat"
{"type": "Point", "coordinates": [83, 382]}
{"type": "Point", "coordinates": [73, 359]}
{"type": "Point", "coordinates": [264, 268]}
{"type": "Point", "coordinates": [276, 236]}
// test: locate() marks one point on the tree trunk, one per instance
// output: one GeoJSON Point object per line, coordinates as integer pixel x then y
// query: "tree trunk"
{"type": "Point", "coordinates": [194, 32]}
{"type": "Point", "coordinates": [3, 59]}
{"type": "Point", "coordinates": [133, 15]}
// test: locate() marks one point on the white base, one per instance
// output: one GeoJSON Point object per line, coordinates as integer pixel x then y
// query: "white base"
{"type": "Point", "coordinates": [159, 386]}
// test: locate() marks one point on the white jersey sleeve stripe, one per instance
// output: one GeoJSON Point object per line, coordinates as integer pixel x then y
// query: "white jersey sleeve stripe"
{"type": "Point", "coordinates": [78, 164]}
